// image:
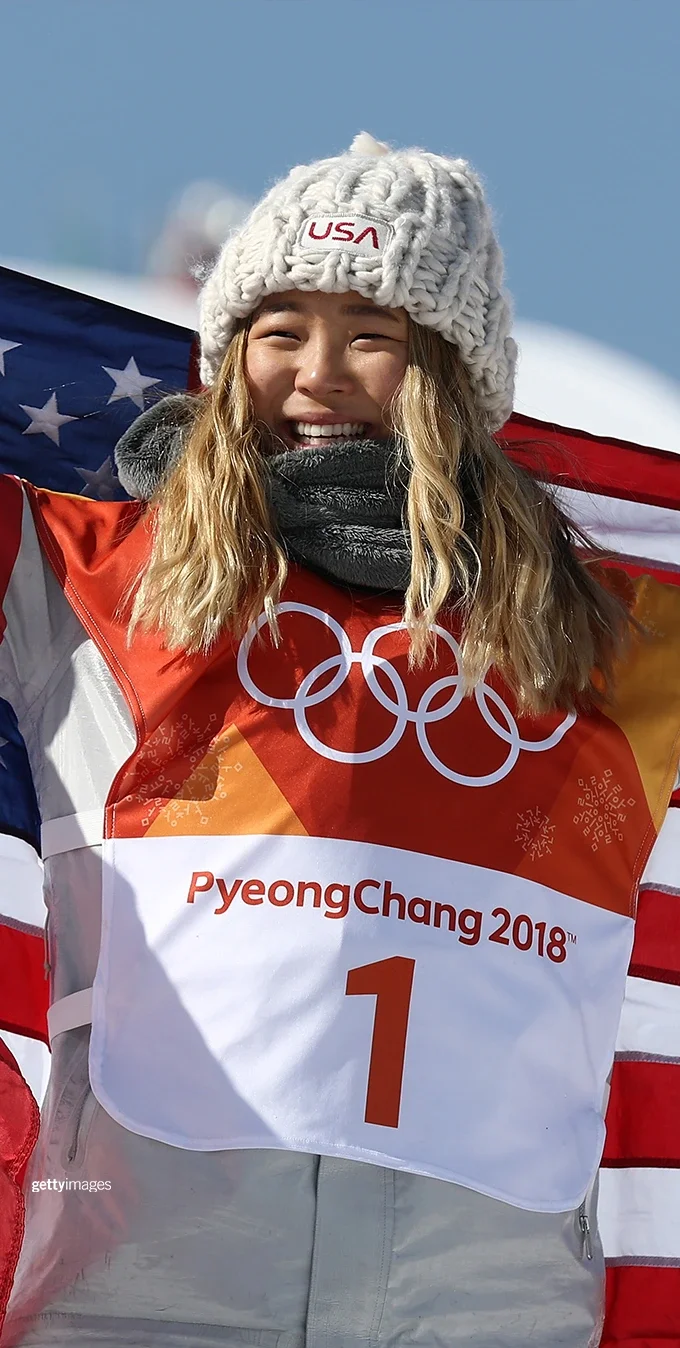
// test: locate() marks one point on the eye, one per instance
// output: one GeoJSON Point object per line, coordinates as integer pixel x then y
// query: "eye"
{"type": "Point", "coordinates": [372, 337]}
{"type": "Point", "coordinates": [261, 331]}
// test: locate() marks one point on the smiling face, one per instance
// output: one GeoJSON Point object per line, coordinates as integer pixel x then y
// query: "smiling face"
{"type": "Point", "coordinates": [322, 368]}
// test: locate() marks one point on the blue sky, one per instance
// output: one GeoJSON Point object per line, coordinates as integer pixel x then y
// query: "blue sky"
{"type": "Point", "coordinates": [570, 110]}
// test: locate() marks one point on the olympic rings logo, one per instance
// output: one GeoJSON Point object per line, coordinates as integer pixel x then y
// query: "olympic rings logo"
{"type": "Point", "coordinates": [494, 711]}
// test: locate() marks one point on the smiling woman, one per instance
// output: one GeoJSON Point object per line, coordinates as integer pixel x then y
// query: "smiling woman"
{"type": "Point", "coordinates": [366, 384]}
{"type": "Point", "coordinates": [361, 960]}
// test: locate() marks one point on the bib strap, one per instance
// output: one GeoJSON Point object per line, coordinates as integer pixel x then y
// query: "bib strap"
{"type": "Point", "coordinates": [69, 1012]}
{"type": "Point", "coordinates": [71, 831]}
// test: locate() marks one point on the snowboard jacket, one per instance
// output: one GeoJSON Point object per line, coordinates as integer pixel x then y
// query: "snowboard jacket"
{"type": "Point", "coordinates": [189, 1240]}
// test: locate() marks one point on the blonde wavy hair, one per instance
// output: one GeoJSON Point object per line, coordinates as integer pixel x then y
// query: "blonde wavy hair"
{"type": "Point", "coordinates": [488, 541]}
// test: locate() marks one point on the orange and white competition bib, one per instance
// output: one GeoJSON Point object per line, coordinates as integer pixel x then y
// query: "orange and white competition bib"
{"type": "Point", "coordinates": [357, 914]}
{"type": "Point", "coordinates": [348, 911]}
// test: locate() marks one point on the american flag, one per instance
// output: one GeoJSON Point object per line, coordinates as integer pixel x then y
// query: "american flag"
{"type": "Point", "coordinates": [74, 372]}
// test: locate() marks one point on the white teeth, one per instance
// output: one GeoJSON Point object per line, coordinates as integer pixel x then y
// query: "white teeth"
{"type": "Point", "coordinates": [308, 430]}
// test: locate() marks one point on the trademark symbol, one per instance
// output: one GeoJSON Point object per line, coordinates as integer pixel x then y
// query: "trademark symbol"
{"type": "Point", "coordinates": [571, 937]}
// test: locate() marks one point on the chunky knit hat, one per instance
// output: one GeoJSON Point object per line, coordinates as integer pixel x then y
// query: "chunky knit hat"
{"type": "Point", "coordinates": [402, 227]}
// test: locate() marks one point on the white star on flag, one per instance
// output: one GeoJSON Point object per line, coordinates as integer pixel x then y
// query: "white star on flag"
{"type": "Point", "coordinates": [46, 420]}
{"type": "Point", "coordinates": [100, 484]}
{"type": "Point", "coordinates": [130, 383]}
{"type": "Point", "coordinates": [4, 348]}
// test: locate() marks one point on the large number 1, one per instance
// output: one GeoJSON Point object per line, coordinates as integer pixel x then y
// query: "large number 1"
{"type": "Point", "coordinates": [390, 982]}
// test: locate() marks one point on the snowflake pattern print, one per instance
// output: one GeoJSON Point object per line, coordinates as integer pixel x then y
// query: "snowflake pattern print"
{"type": "Point", "coordinates": [535, 834]}
{"type": "Point", "coordinates": [183, 742]}
{"type": "Point", "coordinates": [208, 782]}
{"type": "Point", "coordinates": [603, 809]}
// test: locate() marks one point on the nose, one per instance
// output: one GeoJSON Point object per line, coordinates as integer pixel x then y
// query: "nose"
{"type": "Point", "coordinates": [323, 370]}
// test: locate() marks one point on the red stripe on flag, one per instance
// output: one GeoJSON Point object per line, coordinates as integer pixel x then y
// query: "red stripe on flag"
{"type": "Point", "coordinates": [656, 948]}
{"type": "Point", "coordinates": [24, 989]}
{"type": "Point", "coordinates": [666, 575]}
{"type": "Point", "coordinates": [610, 467]}
{"type": "Point", "coordinates": [643, 1115]}
{"type": "Point", "coordinates": [19, 1124]}
{"type": "Point", "coordinates": [643, 1308]}
{"type": "Point", "coordinates": [11, 512]}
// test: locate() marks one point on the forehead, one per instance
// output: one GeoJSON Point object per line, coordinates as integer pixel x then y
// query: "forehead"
{"type": "Point", "coordinates": [316, 302]}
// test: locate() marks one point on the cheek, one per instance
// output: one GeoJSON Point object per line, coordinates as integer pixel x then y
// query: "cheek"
{"type": "Point", "coordinates": [268, 380]}
{"type": "Point", "coordinates": [383, 377]}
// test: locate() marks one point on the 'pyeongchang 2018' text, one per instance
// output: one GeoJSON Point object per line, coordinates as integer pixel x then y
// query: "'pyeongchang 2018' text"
{"type": "Point", "coordinates": [380, 898]}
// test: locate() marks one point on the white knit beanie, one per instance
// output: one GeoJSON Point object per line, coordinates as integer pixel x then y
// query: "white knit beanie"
{"type": "Point", "coordinates": [404, 228]}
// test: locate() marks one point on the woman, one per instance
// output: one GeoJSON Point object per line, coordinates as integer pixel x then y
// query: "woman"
{"type": "Point", "coordinates": [350, 1039]}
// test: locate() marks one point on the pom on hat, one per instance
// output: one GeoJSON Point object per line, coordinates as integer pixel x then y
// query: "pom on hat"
{"type": "Point", "coordinates": [367, 144]}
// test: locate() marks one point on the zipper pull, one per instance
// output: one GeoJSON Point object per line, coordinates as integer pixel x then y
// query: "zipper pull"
{"type": "Point", "coordinates": [584, 1227]}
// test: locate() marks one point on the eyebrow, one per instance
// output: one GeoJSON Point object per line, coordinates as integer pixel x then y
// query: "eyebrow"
{"type": "Point", "coordinates": [353, 310]}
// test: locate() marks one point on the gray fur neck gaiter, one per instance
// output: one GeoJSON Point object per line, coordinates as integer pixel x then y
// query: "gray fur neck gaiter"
{"type": "Point", "coordinates": [338, 510]}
